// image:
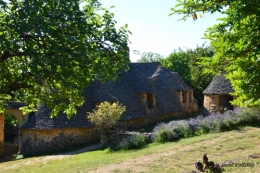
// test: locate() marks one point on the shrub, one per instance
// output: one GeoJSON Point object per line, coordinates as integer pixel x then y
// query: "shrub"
{"type": "Point", "coordinates": [135, 141]}
{"type": "Point", "coordinates": [213, 123]}
{"type": "Point", "coordinates": [104, 116]}
{"type": "Point", "coordinates": [165, 135]}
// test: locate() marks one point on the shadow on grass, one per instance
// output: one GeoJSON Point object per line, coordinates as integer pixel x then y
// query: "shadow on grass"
{"type": "Point", "coordinates": [72, 150]}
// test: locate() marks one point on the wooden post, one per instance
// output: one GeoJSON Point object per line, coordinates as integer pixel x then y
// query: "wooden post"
{"type": "Point", "coordinates": [1, 128]}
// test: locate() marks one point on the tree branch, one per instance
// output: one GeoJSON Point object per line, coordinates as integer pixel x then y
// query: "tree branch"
{"type": "Point", "coordinates": [7, 54]}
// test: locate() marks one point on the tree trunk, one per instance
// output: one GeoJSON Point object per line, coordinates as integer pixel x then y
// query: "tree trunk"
{"type": "Point", "coordinates": [105, 138]}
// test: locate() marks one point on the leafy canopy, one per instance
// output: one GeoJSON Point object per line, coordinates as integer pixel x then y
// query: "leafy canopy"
{"type": "Point", "coordinates": [51, 50]}
{"type": "Point", "coordinates": [148, 56]}
{"type": "Point", "coordinates": [236, 41]}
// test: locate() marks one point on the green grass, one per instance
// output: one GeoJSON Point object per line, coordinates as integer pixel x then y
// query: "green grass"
{"type": "Point", "coordinates": [169, 157]}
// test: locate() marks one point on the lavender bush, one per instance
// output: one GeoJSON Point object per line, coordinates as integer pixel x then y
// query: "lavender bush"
{"type": "Point", "coordinates": [135, 141]}
{"type": "Point", "coordinates": [175, 130]}
{"type": "Point", "coordinates": [229, 120]}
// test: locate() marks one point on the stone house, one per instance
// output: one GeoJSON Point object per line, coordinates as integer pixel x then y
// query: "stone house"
{"type": "Point", "coordinates": [150, 92]}
{"type": "Point", "coordinates": [217, 95]}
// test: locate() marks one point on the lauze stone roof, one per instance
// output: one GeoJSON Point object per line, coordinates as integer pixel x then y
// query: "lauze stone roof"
{"type": "Point", "coordinates": [141, 78]}
{"type": "Point", "coordinates": [219, 85]}
{"type": "Point", "coordinates": [13, 104]}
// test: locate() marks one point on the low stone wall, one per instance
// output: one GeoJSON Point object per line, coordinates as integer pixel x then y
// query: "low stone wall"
{"type": "Point", "coordinates": [190, 108]}
{"type": "Point", "coordinates": [8, 151]}
{"type": "Point", "coordinates": [170, 116]}
{"type": "Point", "coordinates": [41, 141]}
{"type": "Point", "coordinates": [133, 123]}
{"type": "Point", "coordinates": [138, 122]}
{"type": "Point", "coordinates": [35, 141]}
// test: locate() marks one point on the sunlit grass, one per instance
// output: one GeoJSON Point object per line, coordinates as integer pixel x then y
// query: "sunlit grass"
{"type": "Point", "coordinates": [168, 157]}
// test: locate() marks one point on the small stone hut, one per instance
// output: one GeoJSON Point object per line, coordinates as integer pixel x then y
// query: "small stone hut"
{"type": "Point", "coordinates": [217, 95]}
{"type": "Point", "coordinates": [150, 92]}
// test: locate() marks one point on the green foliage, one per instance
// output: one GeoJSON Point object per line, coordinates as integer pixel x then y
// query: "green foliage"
{"type": "Point", "coordinates": [148, 56]}
{"type": "Point", "coordinates": [10, 121]}
{"type": "Point", "coordinates": [185, 62]}
{"type": "Point", "coordinates": [165, 135]}
{"type": "Point", "coordinates": [105, 115]}
{"type": "Point", "coordinates": [51, 50]}
{"type": "Point", "coordinates": [236, 42]}
{"type": "Point", "coordinates": [135, 141]}
{"type": "Point", "coordinates": [185, 130]}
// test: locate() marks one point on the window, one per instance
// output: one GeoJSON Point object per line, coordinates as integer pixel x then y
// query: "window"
{"type": "Point", "coordinates": [190, 96]}
{"type": "Point", "coordinates": [184, 96]}
{"type": "Point", "coordinates": [151, 100]}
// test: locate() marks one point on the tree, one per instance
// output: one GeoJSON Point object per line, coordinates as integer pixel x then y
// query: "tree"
{"type": "Point", "coordinates": [10, 121]}
{"type": "Point", "coordinates": [185, 62]}
{"type": "Point", "coordinates": [236, 43]}
{"type": "Point", "coordinates": [51, 50]}
{"type": "Point", "coordinates": [104, 116]}
{"type": "Point", "coordinates": [148, 56]}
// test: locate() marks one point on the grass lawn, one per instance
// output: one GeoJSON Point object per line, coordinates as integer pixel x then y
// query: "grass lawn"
{"type": "Point", "coordinates": [169, 157]}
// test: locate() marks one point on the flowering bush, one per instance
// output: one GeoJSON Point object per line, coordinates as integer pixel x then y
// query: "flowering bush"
{"type": "Point", "coordinates": [175, 130]}
{"type": "Point", "coordinates": [213, 123]}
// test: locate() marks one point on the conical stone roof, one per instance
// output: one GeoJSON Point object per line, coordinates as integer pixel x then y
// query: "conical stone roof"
{"type": "Point", "coordinates": [219, 85]}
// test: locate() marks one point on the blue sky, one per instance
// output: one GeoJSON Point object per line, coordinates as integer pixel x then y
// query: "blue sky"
{"type": "Point", "coordinates": [153, 30]}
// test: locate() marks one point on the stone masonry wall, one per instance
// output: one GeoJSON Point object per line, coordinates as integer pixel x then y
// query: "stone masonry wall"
{"type": "Point", "coordinates": [138, 122]}
{"type": "Point", "coordinates": [211, 104]}
{"type": "Point", "coordinates": [41, 141]}
{"type": "Point", "coordinates": [195, 107]}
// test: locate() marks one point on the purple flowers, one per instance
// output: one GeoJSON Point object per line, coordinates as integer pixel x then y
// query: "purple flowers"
{"type": "Point", "coordinates": [175, 130]}
{"type": "Point", "coordinates": [200, 125]}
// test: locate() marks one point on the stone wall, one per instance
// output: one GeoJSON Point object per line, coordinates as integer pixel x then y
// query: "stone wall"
{"type": "Point", "coordinates": [133, 123]}
{"type": "Point", "coordinates": [41, 141]}
{"type": "Point", "coordinates": [170, 116]}
{"type": "Point", "coordinates": [211, 104]}
{"type": "Point", "coordinates": [195, 107]}
{"type": "Point", "coordinates": [217, 103]}
{"type": "Point", "coordinates": [138, 122]}
{"type": "Point", "coordinates": [189, 104]}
